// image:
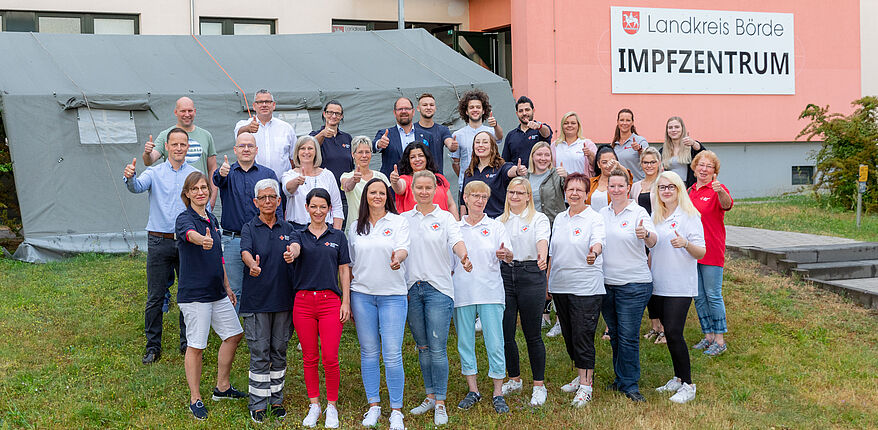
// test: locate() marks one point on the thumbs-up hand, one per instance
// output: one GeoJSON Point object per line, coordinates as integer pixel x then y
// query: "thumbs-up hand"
{"type": "Point", "coordinates": [504, 254]}
{"type": "Point", "coordinates": [384, 140]}
{"type": "Point", "coordinates": [454, 145]}
{"type": "Point", "coordinates": [534, 125]}
{"type": "Point", "coordinates": [358, 176]}
{"type": "Point", "coordinates": [640, 231]}
{"type": "Point", "coordinates": [467, 265]}
{"type": "Point", "coordinates": [688, 141]}
{"type": "Point", "coordinates": [636, 146]}
{"type": "Point", "coordinates": [299, 180]}
{"type": "Point", "coordinates": [129, 169]}
{"type": "Point", "coordinates": [255, 270]}
{"type": "Point", "coordinates": [589, 154]}
{"type": "Point", "coordinates": [224, 169]}
{"type": "Point", "coordinates": [329, 132]}
{"type": "Point", "coordinates": [520, 170]}
{"type": "Point", "coordinates": [290, 254]}
{"type": "Point", "coordinates": [492, 122]}
{"type": "Point", "coordinates": [395, 264]}
{"type": "Point", "coordinates": [207, 241]}
{"type": "Point", "coordinates": [394, 175]}
{"type": "Point", "coordinates": [678, 241]}
{"type": "Point", "coordinates": [562, 172]}
{"type": "Point", "coordinates": [253, 127]}
{"type": "Point", "coordinates": [593, 253]}
{"type": "Point", "coordinates": [716, 185]}
{"type": "Point", "coordinates": [150, 145]}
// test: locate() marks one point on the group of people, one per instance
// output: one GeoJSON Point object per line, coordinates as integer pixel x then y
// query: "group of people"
{"type": "Point", "coordinates": [312, 238]}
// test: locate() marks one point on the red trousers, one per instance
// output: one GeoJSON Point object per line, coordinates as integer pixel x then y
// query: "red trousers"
{"type": "Point", "coordinates": [315, 315]}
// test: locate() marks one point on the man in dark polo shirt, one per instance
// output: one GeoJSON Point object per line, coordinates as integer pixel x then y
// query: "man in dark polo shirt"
{"type": "Point", "coordinates": [441, 134]}
{"type": "Point", "coordinates": [335, 145]}
{"type": "Point", "coordinates": [235, 183]}
{"type": "Point", "coordinates": [520, 140]}
{"type": "Point", "coordinates": [267, 300]}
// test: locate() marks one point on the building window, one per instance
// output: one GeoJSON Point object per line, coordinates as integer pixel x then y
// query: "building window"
{"type": "Point", "coordinates": [239, 26]}
{"type": "Point", "coordinates": [69, 23]}
{"type": "Point", "coordinates": [803, 175]}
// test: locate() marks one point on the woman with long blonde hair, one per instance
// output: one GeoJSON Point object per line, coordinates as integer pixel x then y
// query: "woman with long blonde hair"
{"type": "Point", "coordinates": [572, 151]}
{"type": "Point", "coordinates": [679, 150]}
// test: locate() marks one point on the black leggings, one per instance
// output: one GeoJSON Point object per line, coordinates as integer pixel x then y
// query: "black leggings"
{"type": "Point", "coordinates": [652, 308]}
{"type": "Point", "coordinates": [672, 312]}
{"type": "Point", "coordinates": [525, 286]}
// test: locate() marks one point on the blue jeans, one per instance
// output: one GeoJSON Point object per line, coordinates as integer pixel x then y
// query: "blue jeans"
{"type": "Point", "coordinates": [429, 319]}
{"type": "Point", "coordinates": [234, 265]}
{"type": "Point", "coordinates": [623, 310]}
{"type": "Point", "coordinates": [380, 329]}
{"type": "Point", "coordinates": [492, 331]}
{"type": "Point", "coordinates": [709, 303]}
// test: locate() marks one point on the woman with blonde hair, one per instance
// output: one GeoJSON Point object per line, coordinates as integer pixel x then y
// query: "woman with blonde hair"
{"type": "Point", "coordinates": [679, 246]}
{"type": "Point", "coordinates": [573, 150]}
{"type": "Point", "coordinates": [679, 150]}
{"type": "Point", "coordinates": [354, 182]}
{"type": "Point", "coordinates": [306, 176]}
{"type": "Point", "coordinates": [546, 181]}
{"type": "Point", "coordinates": [524, 280]}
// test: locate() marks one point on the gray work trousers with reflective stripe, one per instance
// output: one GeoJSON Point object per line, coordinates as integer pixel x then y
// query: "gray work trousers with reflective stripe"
{"type": "Point", "coordinates": [268, 334]}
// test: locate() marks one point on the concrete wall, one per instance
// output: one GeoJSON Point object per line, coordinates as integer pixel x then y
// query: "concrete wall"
{"type": "Point", "coordinates": [293, 16]}
{"type": "Point", "coordinates": [869, 46]}
{"type": "Point", "coordinates": [761, 169]}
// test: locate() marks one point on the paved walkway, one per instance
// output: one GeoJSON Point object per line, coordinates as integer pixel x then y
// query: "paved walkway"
{"type": "Point", "coordinates": [771, 239]}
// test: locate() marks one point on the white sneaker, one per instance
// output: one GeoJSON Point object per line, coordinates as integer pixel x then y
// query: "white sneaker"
{"type": "Point", "coordinates": [312, 417]}
{"type": "Point", "coordinates": [427, 405]}
{"type": "Point", "coordinates": [545, 323]}
{"type": "Point", "coordinates": [478, 324]}
{"type": "Point", "coordinates": [440, 417]}
{"type": "Point", "coordinates": [370, 418]}
{"type": "Point", "coordinates": [582, 397]}
{"type": "Point", "coordinates": [555, 330]}
{"type": "Point", "coordinates": [538, 398]}
{"type": "Point", "coordinates": [672, 386]}
{"type": "Point", "coordinates": [510, 386]}
{"type": "Point", "coordinates": [684, 394]}
{"type": "Point", "coordinates": [331, 417]}
{"type": "Point", "coordinates": [396, 421]}
{"type": "Point", "coordinates": [299, 346]}
{"type": "Point", "coordinates": [572, 386]}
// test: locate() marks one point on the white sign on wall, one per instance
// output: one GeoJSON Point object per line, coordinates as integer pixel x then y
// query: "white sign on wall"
{"type": "Point", "coordinates": [683, 51]}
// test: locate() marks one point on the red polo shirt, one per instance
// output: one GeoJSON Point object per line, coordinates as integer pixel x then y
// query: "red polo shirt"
{"type": "Point", "coordinates": [712, 215]}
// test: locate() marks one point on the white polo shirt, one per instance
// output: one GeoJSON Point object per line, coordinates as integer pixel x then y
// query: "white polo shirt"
{"type": "Point", "coordinates": [573, 155]}
{"type": "Point", "coordinates": [572, 237]}
{"type": "Point", "coordinates": [624, 253]}
{"type": "Point", "coordinates": [275, 140]}
{"type": "Point", "coordinates": [674, 270]}
{"type": "Point", "coordinates": [524, 235]}
{"type": "Point", "coordinates": [429, 258]}
{"type": "Point", "coordinates": [370, 256]}
{"type": "Point", "coordinates": [296, 211]}
{"type": "Point", "coordinates": [484, 285]}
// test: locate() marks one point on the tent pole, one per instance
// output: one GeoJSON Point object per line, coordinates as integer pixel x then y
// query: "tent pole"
{"type": "Point", "coordinates": [401, 18]}
{"type": "Point", "coordinates": [192, 24]}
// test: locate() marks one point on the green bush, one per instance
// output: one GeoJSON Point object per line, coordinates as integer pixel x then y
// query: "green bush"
{"type": "Point", "coordinates": [848, 141]}
{"type": "Point", "coordinates": [10, 215]}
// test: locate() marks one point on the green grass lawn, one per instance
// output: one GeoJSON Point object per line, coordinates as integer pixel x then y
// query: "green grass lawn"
{"type": "Point", "coordinates": [802, 213]}
{"type": "Point", "coordinates": [72, 338]}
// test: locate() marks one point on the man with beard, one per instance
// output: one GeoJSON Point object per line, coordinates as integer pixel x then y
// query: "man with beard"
{"type": "Point", "coordinates": [475, 109]}
{"type": "Point", "coordinates": [520, 140]}
{"type": "Point", "coordinates": [391, 142]}
{"type": "Point", "coordinates": [440, 133]}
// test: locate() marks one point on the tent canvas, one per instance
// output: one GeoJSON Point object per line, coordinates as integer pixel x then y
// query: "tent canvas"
{"type": "Point", "coordinates": [77, 108]}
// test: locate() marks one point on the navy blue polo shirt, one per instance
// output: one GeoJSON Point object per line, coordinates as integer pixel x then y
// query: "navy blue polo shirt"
{"type": "Point", "coordinates": [439, 133]}
{"type": "Point", "coordinates": [519, 143]}
{"type": "Point", "coordinates": [336, 153]}
{"type": "Point", "coordinates": [236, 192]}
{"type": "Point", "coordinates": [272, 290]}
{"type": "Point", "coordinates": [201, 272]}
{"type": "Point", "coordinates": [317, 264]}
{"type": "Point", "coordinates": [497, 179]}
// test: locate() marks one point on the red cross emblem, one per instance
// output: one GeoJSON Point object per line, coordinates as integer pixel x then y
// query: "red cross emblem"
{"type": "Point", "coordinates": [485, 232]}
{"type": "Point", "coordinates": [524, 229]}
{"type": "Point", "coordinates": [435, 226]}
{"type": "Point", "coordinates": [577, 231]}
{"type": "Point", "coordinates": [388, 232]}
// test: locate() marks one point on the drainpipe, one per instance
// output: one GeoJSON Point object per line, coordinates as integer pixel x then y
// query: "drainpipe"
{"type": "Point", "coordinates": [401, 15]}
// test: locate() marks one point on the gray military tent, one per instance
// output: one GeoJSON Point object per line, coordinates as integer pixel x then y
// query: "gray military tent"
{"type": "Point", "coordinates": [77, 108]}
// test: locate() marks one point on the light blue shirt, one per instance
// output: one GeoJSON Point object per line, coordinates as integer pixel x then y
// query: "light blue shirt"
{"type": "Point", "coordinates": [164, 185]}
{"type": "Point", "coordinates": [405, 138]}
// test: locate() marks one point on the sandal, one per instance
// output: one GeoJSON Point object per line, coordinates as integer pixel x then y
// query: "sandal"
{"type": "Point", "coordinates": [650, 334]}
{"type": "Point", "coordinates": [661, 338]}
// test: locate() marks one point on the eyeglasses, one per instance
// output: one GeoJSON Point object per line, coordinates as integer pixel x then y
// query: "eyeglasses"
{"type": "Point", "coordinates": [705, 165]}
{"type": "Point", "coordinates": [478, 196]}
{"type": "Point", "coordinates": [268, 197]}
{"type": "Point", "coordinates": [517, 193]}
{"type": "Point", "coordinates": [202, 188]}
{"type": "Point", "coordinates": [263, 102]}
{"type": "Point", "coordinates": [669, 187]}
{"type": "Point", "coordinates": [247, 146]}
{"type": "Point", "coordinates": [331, 113]}
{"type": "Point", "coordinates": [404, 109]}
{"type": "Point", "coordinates": [649, 163]}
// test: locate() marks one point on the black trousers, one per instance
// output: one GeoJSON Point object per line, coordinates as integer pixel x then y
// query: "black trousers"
{"type": "Point", "coordinates": [162, 261]}
{"type": "Point", "coordinates": [525, 286]}
{"type": "Point", "coordinates": [672, 312]}
{"type": "Point", "coordinates": [578, 316]}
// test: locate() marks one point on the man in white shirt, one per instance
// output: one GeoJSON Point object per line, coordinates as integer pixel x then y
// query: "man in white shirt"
{"type": "Point", "coordinates": [275, 138]}
{"type": "Point", "coordinates": [475, 109]}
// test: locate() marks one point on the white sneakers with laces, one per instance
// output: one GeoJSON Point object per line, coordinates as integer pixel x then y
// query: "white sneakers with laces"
{"type": "Point", "coordinates": [312, 417]}
{"type": "Point", "coordinates": [671, 386]}
{"type": "Point", "coordinates": [427, 405]}
{"type": "Point", "coordinates": [555, 330]}
{"type": "Point", "coordinates": [572, 386]}
{"type": "Point", "coordinates": [331, 417]}
{"type": "Point", "coordinates": [538, 398]}
{"type": "Point", "coordinates": [370, 418]}
{"type": "Point", "coordinates": [684, 394]}
{"type": "Point", "coordinates": [510, 386]}
{"type": "Point", "coordinates": [396, 422]}
{"type": "Point", "coordinates": [582, 397]}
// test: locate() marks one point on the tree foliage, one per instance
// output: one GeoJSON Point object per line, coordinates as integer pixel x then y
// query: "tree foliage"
{"type": "Point", "coordinates": [848, 141]}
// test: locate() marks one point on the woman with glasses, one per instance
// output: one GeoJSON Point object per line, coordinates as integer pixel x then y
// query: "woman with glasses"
{"type": "Point", "coordinates": [353, 183]}
{"type": "Point", "coordinates": [641, 192]}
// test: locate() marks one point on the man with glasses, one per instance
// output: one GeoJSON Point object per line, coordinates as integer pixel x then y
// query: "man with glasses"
{"type": "Point", "coordinates": [391, 142]}
{"type": "Point", "coordinates": [201, 153]}
{"type": "Point", "coordinates": [164, 182]}
{"type": "Point", "coordinates": [274, 137]}
{"type": "Point", "coordinates": [335, 145]}
{"type": "Point", "coordinates": [235, 183]}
